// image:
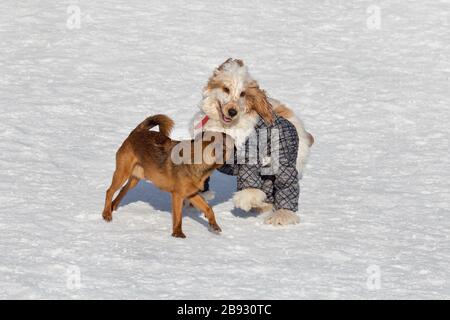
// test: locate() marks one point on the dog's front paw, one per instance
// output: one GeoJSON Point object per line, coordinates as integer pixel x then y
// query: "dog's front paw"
{"type": "Point", "coordinates": [249, 198]}
{"type": "Point", "coordinates": [214, 228]}
{"type": "Point", "coordinates": [282, 217]}
{"type": "Point", "coordinates": [107, 216]}
{"type": "Point", "coordinates": [178, 234]}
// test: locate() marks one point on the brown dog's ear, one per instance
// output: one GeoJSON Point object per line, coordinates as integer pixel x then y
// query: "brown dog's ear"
{"type": "Point", "coordinates": [256, 100]}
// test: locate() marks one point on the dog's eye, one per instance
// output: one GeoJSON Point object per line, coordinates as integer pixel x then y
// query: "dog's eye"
{"type": "Point", "coordinates": [243, 94]}
{"type": "Point", "coordinates": [226, 90]}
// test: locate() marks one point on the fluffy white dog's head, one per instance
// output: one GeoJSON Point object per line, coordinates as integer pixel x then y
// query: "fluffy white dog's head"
{"type": "Point", "coordinates": [232, 93]}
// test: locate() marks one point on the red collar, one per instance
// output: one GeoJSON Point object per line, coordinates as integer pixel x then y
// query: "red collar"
{"type": "Point", "coordinates": [202, 122]}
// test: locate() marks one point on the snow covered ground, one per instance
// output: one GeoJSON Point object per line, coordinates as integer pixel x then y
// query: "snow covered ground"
{"type": "Point", "coordinates": [374, 210]}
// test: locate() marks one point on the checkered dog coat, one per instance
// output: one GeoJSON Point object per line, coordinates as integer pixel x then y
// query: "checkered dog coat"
{"type": "Point", "coordinates": [270, 163]}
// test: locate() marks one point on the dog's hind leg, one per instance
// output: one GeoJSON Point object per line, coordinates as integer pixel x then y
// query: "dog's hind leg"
{"type": "Point", "coordinates": [119, 178]}
{"type": "Point", "coordinates": [132, 182]}
{"type": "Point", "coordinates": [177, 207]}
{"type": "Point", "coordinates": [201, 204]}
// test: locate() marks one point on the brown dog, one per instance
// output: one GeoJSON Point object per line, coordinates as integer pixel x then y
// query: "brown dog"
{"type": "Point", "coordinates": [150, 155]}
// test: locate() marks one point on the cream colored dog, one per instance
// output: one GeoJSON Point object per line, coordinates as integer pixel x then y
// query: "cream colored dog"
{"type": "Point", "coordinates": [232, 103]}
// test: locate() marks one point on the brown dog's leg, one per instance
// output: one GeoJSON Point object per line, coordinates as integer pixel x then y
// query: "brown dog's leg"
{"type": "Point", "coordinates": [132, 182]}
{"type": "Point", "coordinates": [177, 207]}
{"type": "Point", "coordinates": [119, 178]}
{"type": "Point", "coordinates": [203, 206]}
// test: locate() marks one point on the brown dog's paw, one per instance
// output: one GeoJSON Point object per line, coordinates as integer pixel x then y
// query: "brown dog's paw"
{"type": "Point", "coordinates": [107, 216]}
{"type": "Point", "coordinates": [178, 234]}
{"type": "Point", "coordinates": [215, 228]}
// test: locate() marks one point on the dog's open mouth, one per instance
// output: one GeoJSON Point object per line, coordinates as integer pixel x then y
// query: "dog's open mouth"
{"type": "Point", "coordinates": [226, 119]}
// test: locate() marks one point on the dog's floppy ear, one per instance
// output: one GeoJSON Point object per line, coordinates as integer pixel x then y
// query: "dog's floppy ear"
{"type": "Point", "coordinates": [256, 100]}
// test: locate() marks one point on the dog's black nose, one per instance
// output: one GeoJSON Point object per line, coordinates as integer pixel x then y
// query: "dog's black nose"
{"type": "Point", "coordinates": [232, 112]}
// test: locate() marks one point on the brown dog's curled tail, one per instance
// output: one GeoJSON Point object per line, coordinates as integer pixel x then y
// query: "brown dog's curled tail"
{"type": "Point", "coordinates": [164, 122]}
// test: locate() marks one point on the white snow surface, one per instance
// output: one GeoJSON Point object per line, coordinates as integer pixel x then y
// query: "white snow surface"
{"type": "Point", "coordinates": [374, 196]}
